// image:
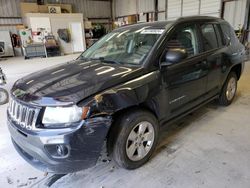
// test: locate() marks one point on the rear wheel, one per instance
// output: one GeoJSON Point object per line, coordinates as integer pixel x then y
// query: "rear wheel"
{"type": "Point", "coordinates": [229, 89]}
{"type": "Point", "coordinates": [4, 96]}
{"type": "Point", "coordinates": [134, 139]}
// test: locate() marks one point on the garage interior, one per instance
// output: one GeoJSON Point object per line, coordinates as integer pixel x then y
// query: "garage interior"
{"type": "Point", "coordinates": [207, 148]}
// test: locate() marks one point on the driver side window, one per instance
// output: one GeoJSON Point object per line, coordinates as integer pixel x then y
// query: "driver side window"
{"type": "Point", "coordinates": [184, 38]}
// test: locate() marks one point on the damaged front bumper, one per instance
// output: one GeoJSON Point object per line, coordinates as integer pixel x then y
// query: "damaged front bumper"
{"type": "Point", "coordinates": [63, 150]}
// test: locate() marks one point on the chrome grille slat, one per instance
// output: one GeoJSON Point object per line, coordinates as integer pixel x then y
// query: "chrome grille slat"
{"type": "Point", "coordinates": [14, 109]}
{"type": "Point", "coordinates": [18, 112]}
{"type": "Point", "coordinates": [23, 115]}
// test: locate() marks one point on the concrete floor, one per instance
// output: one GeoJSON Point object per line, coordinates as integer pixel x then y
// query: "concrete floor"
{"type": "Point", "coordinates": [209, 148]}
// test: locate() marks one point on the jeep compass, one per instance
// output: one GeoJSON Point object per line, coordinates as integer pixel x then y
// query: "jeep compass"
{"type": "Point", "coordinates": [122, 91]}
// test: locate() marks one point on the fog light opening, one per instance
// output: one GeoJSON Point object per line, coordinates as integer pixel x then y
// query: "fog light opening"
{"type": "Point", "coordinates": [61, 150]}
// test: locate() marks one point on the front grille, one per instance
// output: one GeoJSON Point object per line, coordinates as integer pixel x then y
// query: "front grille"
{"type": "Point", "coordinates": [23, 115]}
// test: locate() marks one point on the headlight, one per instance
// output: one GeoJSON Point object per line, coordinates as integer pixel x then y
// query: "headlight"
{"type": "Point", "coordinates": [62, 115]}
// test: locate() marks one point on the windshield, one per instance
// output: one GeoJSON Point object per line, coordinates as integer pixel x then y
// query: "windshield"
{"type": "Point", "coordinates": [124, 47]}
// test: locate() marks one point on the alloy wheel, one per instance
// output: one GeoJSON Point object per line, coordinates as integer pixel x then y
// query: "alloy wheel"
{"type": "Point", "coordinates": [140, 141]}
{"type": "Point", "coordinates": [231, 89]}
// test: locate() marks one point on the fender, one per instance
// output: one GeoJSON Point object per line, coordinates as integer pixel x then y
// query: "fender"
{"type": "Point", "coordinates": [138, 91]}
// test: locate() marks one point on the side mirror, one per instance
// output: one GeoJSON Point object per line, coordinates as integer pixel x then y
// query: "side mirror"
{"type": "Point", "coordinates": [173, 56]}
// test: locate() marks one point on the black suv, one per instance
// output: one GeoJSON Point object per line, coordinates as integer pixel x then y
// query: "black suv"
{"type": "Point", "coordinates": [121, 91]}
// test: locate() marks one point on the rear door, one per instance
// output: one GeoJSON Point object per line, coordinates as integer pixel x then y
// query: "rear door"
{"type": "Point", "coordinates": [212, 49]}
{"type": "Point", "coordinates": [186, 80]}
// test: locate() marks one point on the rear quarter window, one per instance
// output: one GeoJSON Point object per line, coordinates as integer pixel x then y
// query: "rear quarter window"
{"type": "Point", "coordinates": [229, 34]}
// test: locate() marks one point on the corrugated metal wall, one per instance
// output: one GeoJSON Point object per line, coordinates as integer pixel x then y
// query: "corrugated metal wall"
{"type": "Point", "coordinates": [9, 24]}
{"type": "Point", "coordinates": [96, 9]}
{"type": "Point", "coordinates": [123, 8]}
{"type": "Point", "coordinates": [210, 8]}
{"type": "Point", "coordinates": [8, 9]}
{"type": "Point", "coordinates": [161, 5]}
{"type": "Point", "coordinates": [190, 7]}
{"type": "Point", "coordinates": [174, 9]}
{"type": "Point", "coordinates": [130, 7]}
{"type": "Point", "coordinates": [145, 6]}
{"type": "Point", "coordinates": [234, 11]}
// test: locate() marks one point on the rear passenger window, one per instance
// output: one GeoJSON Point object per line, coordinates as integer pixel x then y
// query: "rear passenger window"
{"type": "Point", "coordinates": [209, 37]}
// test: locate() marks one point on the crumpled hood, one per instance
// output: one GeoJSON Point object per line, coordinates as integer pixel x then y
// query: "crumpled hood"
{"type": "Point", "coordinates": [71, 82]}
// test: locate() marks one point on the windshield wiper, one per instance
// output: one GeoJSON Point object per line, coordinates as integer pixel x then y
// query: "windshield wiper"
{"type": "Point", "coordinates": [84, 58]}
{"type": "Point", "coordinates": [102, 59]}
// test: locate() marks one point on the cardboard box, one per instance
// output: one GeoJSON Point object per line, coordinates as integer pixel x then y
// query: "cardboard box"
{"type": "Point", "coordinates": [34, 8]}
{"type": "Point", "coordinates": [28, 8]}
{"type": "Point", "coordinates": [19, 27]}
{"type": "Point", "coordinates": [42, 8]}
{"type": "Point", "coordinates": [54, 9]}
{"type": "Point", "coordinates": [131, 19]}
{"type": "Point", "coordinates": [87, 25]}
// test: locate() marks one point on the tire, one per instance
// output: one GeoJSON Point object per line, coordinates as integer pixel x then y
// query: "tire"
{"type": "Point", "coordinates": [126, 127]}
{"type": "Point", "coordinates": [4, 96]}
{"type": "Point", "coordinates": [229, 89]}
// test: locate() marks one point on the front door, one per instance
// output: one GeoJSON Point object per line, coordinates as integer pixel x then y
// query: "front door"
{"type": "Point", "coordinates": [185, 81]}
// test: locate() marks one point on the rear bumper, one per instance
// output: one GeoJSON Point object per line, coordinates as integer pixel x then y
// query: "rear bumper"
{"type": "Point", "coordinates": [83, 144]}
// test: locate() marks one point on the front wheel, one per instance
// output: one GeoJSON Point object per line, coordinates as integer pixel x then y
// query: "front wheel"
{"type": "Point", "coordinates": [229, 89]}
{"type": "Point", "coordinates": [4, 96]}
{"type": "Point", "coordinates": [135, 137]}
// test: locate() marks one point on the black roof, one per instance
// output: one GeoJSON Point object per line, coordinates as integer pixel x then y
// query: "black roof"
{"type": "Point", "coordinates": [156, 24]}
{"type": "Point", "coordinates": [198, 18]}
{"type": "Point", "coordinates": [163, 24]}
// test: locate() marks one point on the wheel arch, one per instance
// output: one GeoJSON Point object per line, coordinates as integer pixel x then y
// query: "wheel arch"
{"type": "Point", "coordinates": [116, 116]}
{"type": "Point", "coordinates": [237, 69]}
